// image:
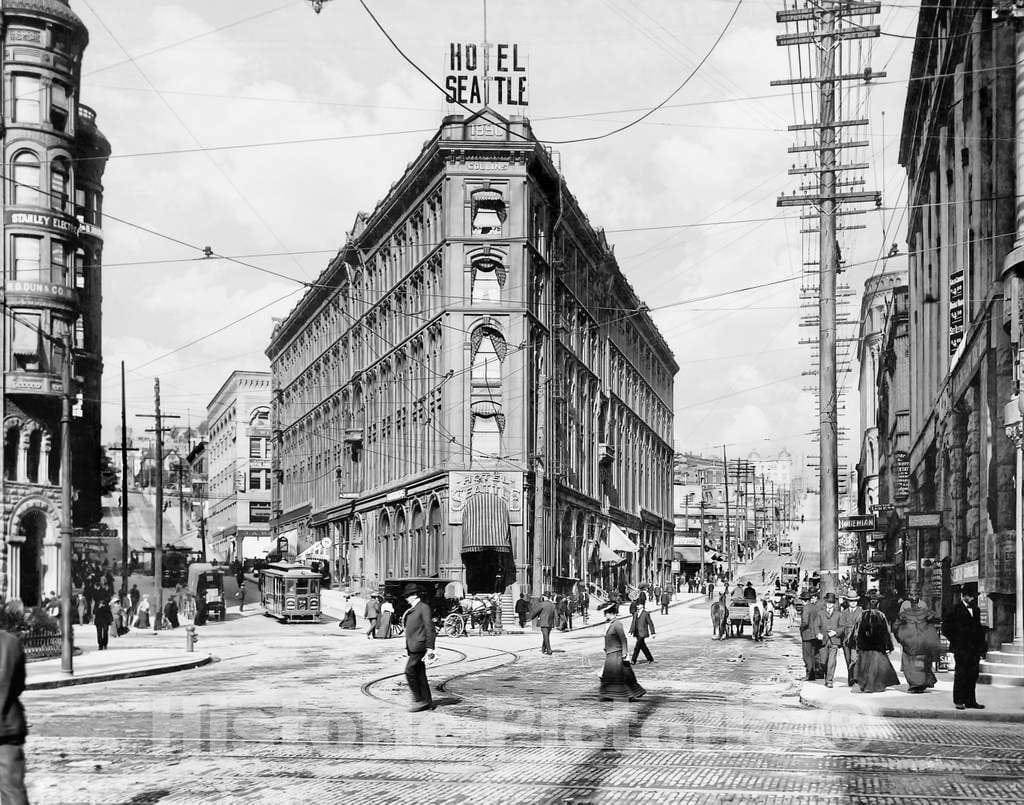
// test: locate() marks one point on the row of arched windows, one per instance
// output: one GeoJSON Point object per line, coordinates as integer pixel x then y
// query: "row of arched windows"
{"type": "Point", "coordinates": [30, 455]}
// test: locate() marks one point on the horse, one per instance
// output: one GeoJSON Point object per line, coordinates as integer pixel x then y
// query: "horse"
{"type": "Point", "coordinates": [719, 618]}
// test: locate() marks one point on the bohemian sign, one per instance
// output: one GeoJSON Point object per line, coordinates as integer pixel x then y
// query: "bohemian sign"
{"type": "Point", "coordinates": [486, 75]}
{"type": "Point", "coordinates": [857, 522]}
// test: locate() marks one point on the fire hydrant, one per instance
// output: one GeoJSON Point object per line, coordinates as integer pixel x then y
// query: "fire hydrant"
{"type": "Point", "coordinates": [190, 638]}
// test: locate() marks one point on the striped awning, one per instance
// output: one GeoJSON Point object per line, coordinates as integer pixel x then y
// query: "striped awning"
{"type": "Point", "coordinates": [485, 524]}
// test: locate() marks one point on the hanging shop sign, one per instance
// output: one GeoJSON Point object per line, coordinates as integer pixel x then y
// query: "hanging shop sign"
{"type": "Point", "coordinates": [902, 490]}
{"type": "Point", "coordinates": [492, 74]}
{"type": "Point", "coordinates": [956, 311]}
{"type": "Point", "coordinates": [857, 522]}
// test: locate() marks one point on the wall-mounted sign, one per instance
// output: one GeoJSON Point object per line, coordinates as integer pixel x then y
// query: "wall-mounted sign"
{"type": "Point", "coordinates": [486, 75]}
{"type": "Point", "coordinates": [55, 221]}
{"type": "Point", "coordinates": [956, 310]}
{"type": "Point", "coordinates": [924, 520]}
{"type": "Point", "coordinates": [506, 485]}
{"type": "Point", "coordinates": [902, 486]}
{"type": "Point", "coordinates": [857, 522]}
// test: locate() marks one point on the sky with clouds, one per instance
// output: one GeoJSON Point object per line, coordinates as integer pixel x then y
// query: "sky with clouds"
{"type": "Point", "coordinates": [260, 129]}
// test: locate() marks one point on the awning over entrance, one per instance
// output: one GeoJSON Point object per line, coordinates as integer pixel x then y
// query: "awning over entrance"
{"type": "Point", "coordinates": [607, 554]}
{"type": "Point", "coordinates": [688, 554]}
{"type": "Point", "coordinates": [618, 541]}
{"type": "Point", "coordinates": [485, 524]}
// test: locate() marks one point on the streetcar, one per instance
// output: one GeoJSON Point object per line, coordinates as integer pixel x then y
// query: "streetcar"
{"type": "Point", "coordinates": [290, 592]}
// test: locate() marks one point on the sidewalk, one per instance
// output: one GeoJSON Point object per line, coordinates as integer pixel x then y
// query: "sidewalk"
{"type": "Point", "coordinates": [1001, 704]}
{"type": "Point", "coordinates": [114, 663]}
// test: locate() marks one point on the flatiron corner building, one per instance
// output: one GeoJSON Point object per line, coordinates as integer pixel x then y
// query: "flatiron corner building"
{"type": "Point", "coordinates": [54, 157]}
{"type": "Point", "coordinates": [472, 390]}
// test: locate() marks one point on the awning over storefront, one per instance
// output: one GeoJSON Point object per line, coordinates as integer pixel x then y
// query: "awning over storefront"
{"type": "Point", "coordinates": [607, 554]}
{"type": "Point", "coordinates": [485, 524]}
{"type": "Point", "coordinates": [618, 541]}
{"type": "Point", "coordinates": [688, 554]}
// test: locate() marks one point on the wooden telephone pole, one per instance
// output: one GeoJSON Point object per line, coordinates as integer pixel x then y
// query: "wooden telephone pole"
{"type": "Point", "coordinates": [124, 448]}
{"type": "Point", "coordinates": [826, 27]}
{"type": "Point", "coordinates": [158, 535]}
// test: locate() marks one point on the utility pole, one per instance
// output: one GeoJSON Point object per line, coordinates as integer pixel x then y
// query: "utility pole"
{"type": "Point", "coordinates": [125, 569]}
{"type": "Point", "coordinates": [728, 529]}
{"type": "Point", "coordinates": [702, 537]}
{"type": "Point", "coordinates": [181, 502]}
{"type": "Point", "coordinates": [158, 531]}
{"type": "Point", "coordinates": [823, 31]}
{"type": "Point", "coordinates": [67, 649]}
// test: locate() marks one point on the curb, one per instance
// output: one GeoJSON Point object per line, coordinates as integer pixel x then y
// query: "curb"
{"type": "Point", "coordinates": [897, 711]}
{"type": "Point", "coordinates": [115, 675]}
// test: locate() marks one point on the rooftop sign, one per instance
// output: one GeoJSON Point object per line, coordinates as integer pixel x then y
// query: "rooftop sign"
{"type": "Point", "coordinates": [491, 74]}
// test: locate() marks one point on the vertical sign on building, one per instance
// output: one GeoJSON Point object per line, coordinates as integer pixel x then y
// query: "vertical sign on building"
{"type": "Point", "coordinates": [902, 490]}
{"type": "Point", "coordinates": [490, 74]}
{"type": "Point", "coordinates": [956, 311]}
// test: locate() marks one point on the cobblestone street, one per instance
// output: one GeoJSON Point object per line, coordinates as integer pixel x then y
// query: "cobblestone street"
{"type": "Point", "coordinates": [307, 713]}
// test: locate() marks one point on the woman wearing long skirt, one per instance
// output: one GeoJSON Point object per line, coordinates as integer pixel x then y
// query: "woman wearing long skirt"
{"type": "Point", "coordinates": [349, 621]}
{"type": "Point", "coordinates": [617, 679]}
{"type": "Point", "coordinates": [917, 631]}
{"type": "Point", "coordinates": [874, 671]}
{"type": "Point", "coordinates": [387, 614]}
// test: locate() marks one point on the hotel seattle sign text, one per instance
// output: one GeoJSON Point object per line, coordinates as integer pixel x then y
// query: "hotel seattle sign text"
{"type": "Point", "coordinates": [489, 74]}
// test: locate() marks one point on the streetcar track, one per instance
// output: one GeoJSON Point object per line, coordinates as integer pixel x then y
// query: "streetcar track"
{"type": "Point", "coordinates": [703, 761]}
{"type": "Point", "coordinates": [755, 794]}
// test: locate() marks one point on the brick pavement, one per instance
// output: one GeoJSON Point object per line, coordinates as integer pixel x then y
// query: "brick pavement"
{"type": "Point", "coordinates": [283, 717]}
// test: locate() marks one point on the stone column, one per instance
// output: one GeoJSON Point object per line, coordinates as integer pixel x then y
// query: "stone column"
{"type": "Point", "coordinates": [23, 456]}
{"type": "Point", "coordinates": [44, 459]}
{"type": "Point", "coordinates": [1015, 432]}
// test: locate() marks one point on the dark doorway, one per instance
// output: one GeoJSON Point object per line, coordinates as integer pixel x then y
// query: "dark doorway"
{"type": "Point", "coordinates": [488, 571]}
{"type": "Point", "coordinates": [33, 527]}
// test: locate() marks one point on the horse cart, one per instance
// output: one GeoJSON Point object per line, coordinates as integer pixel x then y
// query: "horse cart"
{"type": "Point", "coordinates": [472, 612]}
{"type": "Point", "coordinates": [729, 618]}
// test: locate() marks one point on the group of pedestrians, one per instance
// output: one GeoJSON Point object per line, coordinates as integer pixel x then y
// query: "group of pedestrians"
{"type": "Point", "coordinates": [866, 640]}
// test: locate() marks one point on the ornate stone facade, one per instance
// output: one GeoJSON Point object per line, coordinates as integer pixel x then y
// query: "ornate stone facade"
{"type": "Point", "coordinates": [52, 240]}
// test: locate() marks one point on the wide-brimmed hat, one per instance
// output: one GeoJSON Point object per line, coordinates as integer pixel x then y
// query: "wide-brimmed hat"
{"type": "Point", "coordinates": [411, 589]}
{"type": "Point", "coordinates": [852, 596]}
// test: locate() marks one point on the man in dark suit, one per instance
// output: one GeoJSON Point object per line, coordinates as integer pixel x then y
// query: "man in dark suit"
{"type": "Point", "coordinates": [547, 619]}
{"type": "Point", "coordinates": [12, 718]}
{"type": "Point", "coordinates": [809, 635]}
{"type": "Point", "coordinates": [642, 628]}
{"type": "Point", "coordinates": [419, 643]}
{"type": "Point", "coordinates": [962, 625]}
{"type": "Point", "coordinates": [666, 599]}
{"type": "Point", "coordinates": [371, 613]}
{"type": "Point", "coordinates": [522, 610]}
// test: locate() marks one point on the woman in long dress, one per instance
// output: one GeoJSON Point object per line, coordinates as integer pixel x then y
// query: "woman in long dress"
{"type": "Point", "coordinates": [917, 631]}
{"type": "Point", "coordinates": [387, 614]}
{"type": "Point", "coordinates": [349, 621]}
{"type": "Point", "coordinates": [874, 671]}
{"type": "Point", "coordinates": [141, 620]}
{"type": "Point", "coordinates": [617, 679]}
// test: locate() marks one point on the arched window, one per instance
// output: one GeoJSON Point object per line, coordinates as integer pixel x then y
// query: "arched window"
{"type": "Point", "coordinates": [488, 279]}
{"type": "Point", "coordinates": [260, 417]}
{"type": "Point", "coordinates": [35, 446]}
{"type": "Point", "coordinates": [488, 212]}
{"type": "Point", "coordinates": [27, 177]}
{"type": "Point", "coordinates": [59, 183]}
{"type": "Point", "coordinates": [488, 351]}
{"type": "Point", "coordinates": [12, 438]}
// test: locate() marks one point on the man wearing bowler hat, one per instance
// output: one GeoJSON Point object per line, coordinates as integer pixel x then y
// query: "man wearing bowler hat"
{"type": "Point", "coordinates": [830, 636]}
{"type": "Point", "coordinates": [419, 643]}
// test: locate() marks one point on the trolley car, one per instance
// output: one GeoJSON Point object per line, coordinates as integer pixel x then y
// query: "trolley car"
{"type": "Point", "coordinates": [290, 592]}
